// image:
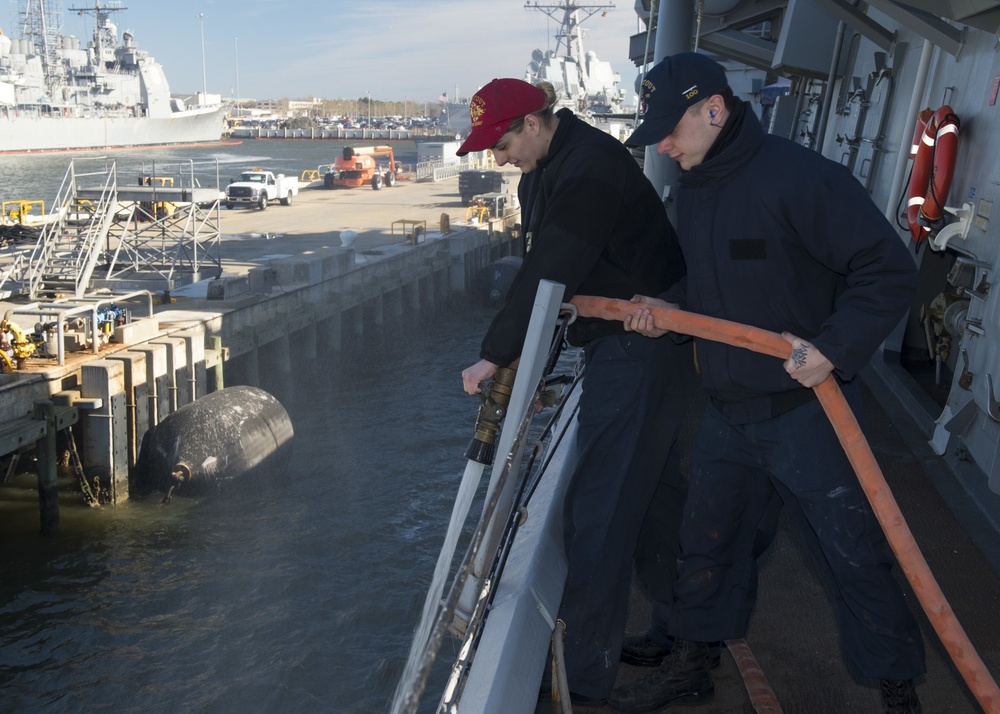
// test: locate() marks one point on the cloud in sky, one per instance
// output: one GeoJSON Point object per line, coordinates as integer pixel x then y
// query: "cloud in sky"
{"type": "Point", "coordinates": [395, 49]}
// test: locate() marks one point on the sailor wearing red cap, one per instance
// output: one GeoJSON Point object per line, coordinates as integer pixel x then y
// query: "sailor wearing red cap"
{"type": "Point", "coordinates": [595, 224]}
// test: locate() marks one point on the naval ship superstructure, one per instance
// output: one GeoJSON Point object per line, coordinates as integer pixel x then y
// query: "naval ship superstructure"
{"type": "Point", "coordinates": [583, 83]}
{"type": "Point", "coordinates": [58, 94]}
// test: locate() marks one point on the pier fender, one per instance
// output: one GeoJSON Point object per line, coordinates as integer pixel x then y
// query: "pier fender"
{"type": "Point", "coordinates": [228, 435]}
{"type": "Point", "coordinates": [493, 281]}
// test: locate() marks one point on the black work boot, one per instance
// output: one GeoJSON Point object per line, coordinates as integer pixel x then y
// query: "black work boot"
{"type": "Point", "coordinates": [644, 651]}
{"type": "Point", "coordinates": [900, 697]}
{"type": "Point", "coordinates": [684, 676]}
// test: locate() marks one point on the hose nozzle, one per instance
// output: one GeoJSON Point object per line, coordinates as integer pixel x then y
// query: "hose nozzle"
{"type": "Point", "coordinates": [496, 399]}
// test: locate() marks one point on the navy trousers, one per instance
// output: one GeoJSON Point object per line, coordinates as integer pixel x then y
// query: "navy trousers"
{"type": "Point", "coordinates": [729, 515]}
{"type": "Point", "coordinates": [629, 416]}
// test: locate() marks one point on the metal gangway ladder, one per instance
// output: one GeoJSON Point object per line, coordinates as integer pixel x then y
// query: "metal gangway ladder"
{"type": "Point", "coordinates": [69, 246]}
{"type": "Point", "coordinates": [103, 234]}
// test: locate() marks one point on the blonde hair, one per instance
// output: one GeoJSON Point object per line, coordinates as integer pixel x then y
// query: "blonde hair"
{"type": "Point", "coordinates": [544, 114]}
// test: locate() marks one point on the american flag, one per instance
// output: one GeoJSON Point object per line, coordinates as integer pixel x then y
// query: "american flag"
{"type": "Point", "coordinates": [443, 97]}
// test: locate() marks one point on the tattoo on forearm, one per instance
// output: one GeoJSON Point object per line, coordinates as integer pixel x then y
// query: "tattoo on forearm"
{"type": "Point", "coordinates": [799, 355]}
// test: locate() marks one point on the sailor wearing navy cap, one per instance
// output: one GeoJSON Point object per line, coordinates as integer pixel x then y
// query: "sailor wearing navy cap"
{"type": "Point", "coordinates": [670, 89]}
{"type": "Point", "coordinates": [775, 236]}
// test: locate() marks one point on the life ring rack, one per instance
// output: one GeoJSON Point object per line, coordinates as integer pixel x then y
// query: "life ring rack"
{"type": "Point", "coordinates": [934, 152]}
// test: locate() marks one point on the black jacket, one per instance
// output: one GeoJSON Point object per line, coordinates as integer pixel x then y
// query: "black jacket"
{"type": "Point", "coordinates": [595, 225]}
{"type": "Point", "coordinates": [776, 236]}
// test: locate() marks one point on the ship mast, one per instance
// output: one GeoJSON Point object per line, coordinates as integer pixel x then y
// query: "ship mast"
{"type": "Point", "coordinates": [570, 36]}
{"type": "Point", "coordinates": [42, 27]}
{"type": "Point", "coordinates": [103, 38]}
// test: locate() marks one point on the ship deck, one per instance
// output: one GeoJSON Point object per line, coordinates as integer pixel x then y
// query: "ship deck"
{"type": "Point", "coordinates": [793, 633]}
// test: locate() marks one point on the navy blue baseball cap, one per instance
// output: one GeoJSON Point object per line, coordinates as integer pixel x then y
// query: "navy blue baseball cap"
{"type": "Point", "coordinates": [669, 89]}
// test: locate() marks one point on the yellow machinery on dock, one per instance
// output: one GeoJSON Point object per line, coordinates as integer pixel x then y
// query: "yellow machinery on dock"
{"type": "Point", "coordinates": [15, 346]}
{"type": "Point", "coordinates": [23, 212]}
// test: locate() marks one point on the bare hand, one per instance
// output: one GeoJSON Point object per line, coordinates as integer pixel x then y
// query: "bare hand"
{"type": "Point", "coordinates": [641, 321]}
{"type": "Point", "coordinates": [807, 365]}
{"type": "Point", "coordinates": [478, 373]}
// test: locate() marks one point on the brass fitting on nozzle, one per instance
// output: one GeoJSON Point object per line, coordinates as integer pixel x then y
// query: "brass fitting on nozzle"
{"type": "Point", "coordinates": [496, 399]}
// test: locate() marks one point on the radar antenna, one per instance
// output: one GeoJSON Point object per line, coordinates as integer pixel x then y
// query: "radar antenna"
{"type": "Point", "coordinates": [105, 33]}
{"type": "Point", "coordinates": [570, 36]}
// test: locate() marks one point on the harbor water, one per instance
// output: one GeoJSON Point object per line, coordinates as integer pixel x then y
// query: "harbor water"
{"type": "Point", "coordinates": [37, 177]}
{"type": "Point", "coordinates": [299, 593]}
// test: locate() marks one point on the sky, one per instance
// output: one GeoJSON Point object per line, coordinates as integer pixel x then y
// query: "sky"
{"type": "Point", "coordinates": [343, 49]}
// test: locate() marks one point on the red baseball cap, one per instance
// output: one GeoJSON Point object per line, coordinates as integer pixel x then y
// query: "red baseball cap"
{"type": "Point", "coordinates": [494, 107]}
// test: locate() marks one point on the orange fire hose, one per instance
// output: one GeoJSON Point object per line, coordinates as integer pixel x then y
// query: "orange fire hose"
{"type": "Point", "coordinates": [897, 532]}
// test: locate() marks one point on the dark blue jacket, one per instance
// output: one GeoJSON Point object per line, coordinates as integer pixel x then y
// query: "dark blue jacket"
{"type": "Point", "coordinates": [777, 236]}
{"type": "Point", "coordinates": [596, 225]}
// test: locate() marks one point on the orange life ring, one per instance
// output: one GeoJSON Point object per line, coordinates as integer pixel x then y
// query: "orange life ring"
{"type": "Point", "coordinates": [934, 151]}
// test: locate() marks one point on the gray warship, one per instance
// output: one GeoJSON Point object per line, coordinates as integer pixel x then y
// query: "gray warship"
{"type": "Point", "coordinates": [57, 94]}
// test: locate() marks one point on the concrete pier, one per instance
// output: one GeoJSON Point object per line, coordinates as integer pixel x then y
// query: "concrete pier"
{"type": "Point", "coordinates": [290, 290]}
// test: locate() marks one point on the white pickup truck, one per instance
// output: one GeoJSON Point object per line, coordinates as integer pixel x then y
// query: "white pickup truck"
{"type": "Point", "coordinates": [258, 187]}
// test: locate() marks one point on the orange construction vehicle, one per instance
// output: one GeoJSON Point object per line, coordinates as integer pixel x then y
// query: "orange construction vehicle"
{"type": "Point", "coordinates": [356, 167]}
